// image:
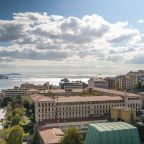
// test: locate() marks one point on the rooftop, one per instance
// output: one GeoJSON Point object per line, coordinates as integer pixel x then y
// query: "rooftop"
{"type": "Point", "coordinates": [60, 90]}
{"type": "Point", "coordinates": [75, 98]}
{"type": "Point", "coordinates": [98, 79]}
{"type": "Point", "coordinates": [115, 92]}
{"type": "Point", "coordinates": [51, 136]}
{"type": "Point", "coordinates": [110, 126]}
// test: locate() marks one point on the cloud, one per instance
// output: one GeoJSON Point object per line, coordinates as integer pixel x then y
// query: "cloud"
{"type": "Point", "coordinates": [39, 36]}
{"type": "Point", "coordinates": [141, 21]}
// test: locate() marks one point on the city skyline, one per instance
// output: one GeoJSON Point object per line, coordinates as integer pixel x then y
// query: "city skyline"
{"type": "Point", "coordinates": [71, 37]}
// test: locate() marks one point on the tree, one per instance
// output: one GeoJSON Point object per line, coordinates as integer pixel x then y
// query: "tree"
{"type": "Point", "coordinates": [15, 119]}
{"type": "Point", "coordinates": [26, 103]}
{"type": "Point", "coordinates": [16, 135]}
{"type": "Point", "coordinates": [4, 133]}
{"type": "Point", "coordinates": [2, 141]}
{"type": "Point", "coordinates": [72, 136]}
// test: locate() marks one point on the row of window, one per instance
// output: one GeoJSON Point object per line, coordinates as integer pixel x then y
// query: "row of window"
{"type": "Point", "coordinates": [93, 102]}
{"type": "Point", "coordinates": [76, 108]}
{"type": "Point", "coordinates": [67, 115]}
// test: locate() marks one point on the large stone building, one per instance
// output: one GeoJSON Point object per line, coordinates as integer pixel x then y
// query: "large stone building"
{"type": "Point", "coordinates": [73, 107]}
{"type": "Point", "coordinates": [131, 100]}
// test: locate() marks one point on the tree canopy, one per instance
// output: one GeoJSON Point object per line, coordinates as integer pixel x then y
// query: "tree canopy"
{"type": "Point", "coordinates": [72, 136]}
{"type": "Point", "coordinates": [16, 135]}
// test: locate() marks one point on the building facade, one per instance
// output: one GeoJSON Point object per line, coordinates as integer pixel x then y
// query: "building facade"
{"type": "Point", "coordinates": [111, 82]}
{"type": "Point", "coordinates": [73, 107]}
{"type": "Point", "coordinates": [123, 113]}
{"type": "Point", "coordinates": [97, 82]}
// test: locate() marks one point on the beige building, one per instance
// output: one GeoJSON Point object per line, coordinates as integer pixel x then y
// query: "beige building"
{"type": "Point", "coordinates": [73, 107]}
{"type": "Point", "coordinates": [124, 114]}
{"type": "Point", "coordinates": [131, 100]}
{"type": "Point", "coordinates": [124, 82]}
{"type": "Point", "coordinates": [28, 86]}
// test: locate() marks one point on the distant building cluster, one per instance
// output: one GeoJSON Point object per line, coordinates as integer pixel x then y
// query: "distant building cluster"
{"type": "Point", "coordinates": [128, 81]}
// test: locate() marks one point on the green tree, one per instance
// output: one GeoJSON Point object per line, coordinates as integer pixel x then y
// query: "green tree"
{"type": "Point", "coordinates": [16, 135]}
{"type": "Point", "coordinates": [72, 136]}
{"type": "Point", "coordinates": [15, 119]}
{"type": "Point", "coordinates": [4, 133]}
{"type": "Point", "coordinates": [26, 103]}
{"type": "Point", "coordinates": [2, 141]}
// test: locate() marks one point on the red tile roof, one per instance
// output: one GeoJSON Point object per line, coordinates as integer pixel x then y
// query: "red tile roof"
{"type": "Point", "coordinates": [61, 99]}
{"type": "Point", "coordinates": [51, 136]}
{"type": "Point", "coordinates": [115, 92]}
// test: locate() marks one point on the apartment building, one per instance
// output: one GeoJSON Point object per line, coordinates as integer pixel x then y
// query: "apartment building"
{"type": "Point", "coordinates": [136, 77]}
{"type": "Point", "coordinates": [73, 107]}
{"type": "Point", "coordinates": [111, 82]}
{"type": "Point", "coordinates": [124, 82]}
{"type": "Point", "coordinates": [97, 82]}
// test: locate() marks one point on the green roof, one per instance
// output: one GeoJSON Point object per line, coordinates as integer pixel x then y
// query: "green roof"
{"type": "Point", "coordinates": [112, 133]}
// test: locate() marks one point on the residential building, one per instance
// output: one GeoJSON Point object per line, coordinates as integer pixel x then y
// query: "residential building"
{"type": "Point", "coordinates": [124, 82]}
{"type": "Point", "coordinates": [136, 77]}
{"type": "Point", "coordinates": [97, 82]}
{"type": "Point", "coordinates": [112, 133]}
{"type": "Point", "coordinates": [111, 82]}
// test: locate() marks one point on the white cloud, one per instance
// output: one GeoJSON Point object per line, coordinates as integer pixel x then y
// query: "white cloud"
{"type": "Point", "coordinates": [39, 36]}
{"type": "Point", "coordinates": [141, 21]}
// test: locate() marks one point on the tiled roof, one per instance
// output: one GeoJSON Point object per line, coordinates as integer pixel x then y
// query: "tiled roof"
{"type": "Point", "coordinates": [115, 92]}
{"type": "Point", "coordinates": [51, 136]}
{"type": "Point", "coordinates": [75, 98]}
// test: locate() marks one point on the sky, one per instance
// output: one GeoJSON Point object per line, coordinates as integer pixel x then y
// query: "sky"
{"type": "Point", "coordinates": [71, 36]}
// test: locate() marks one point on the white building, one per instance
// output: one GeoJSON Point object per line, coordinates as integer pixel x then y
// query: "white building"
{"type": "Point", "coordinates": [97, 82]}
